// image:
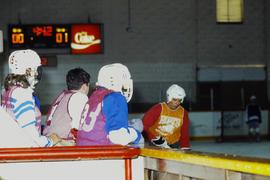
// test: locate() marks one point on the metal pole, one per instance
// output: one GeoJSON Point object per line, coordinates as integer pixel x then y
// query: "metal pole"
{"type": "Point", "coordinates": [128, 169]}
{"type": "Point", "coordinates": [212, 99]}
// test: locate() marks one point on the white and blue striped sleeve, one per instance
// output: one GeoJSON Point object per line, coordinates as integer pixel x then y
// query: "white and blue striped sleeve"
{"type": "Point", "coordinates": [24, 111]}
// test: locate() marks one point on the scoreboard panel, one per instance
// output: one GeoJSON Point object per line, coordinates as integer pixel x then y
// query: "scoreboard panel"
{"type": "Point", "coordinates": [39, 36]}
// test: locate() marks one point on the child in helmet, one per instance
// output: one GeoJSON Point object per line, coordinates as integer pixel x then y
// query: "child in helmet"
{"type": "Point", "coordinates": [17, 97]}
{"type": "Point", "coordinates": [65, 112]}
{"type": "Point", "coordinates": [105, 119]}
{"type": "Point", "coordinates": [167, 124]}
{"type": "Point", "coordinates": [254, 118]}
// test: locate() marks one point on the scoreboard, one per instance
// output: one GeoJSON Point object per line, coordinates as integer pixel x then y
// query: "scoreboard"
{"type": "Point", "coordinates": [39, 36]}
{"type": "Point", "coordinates": [79, 38]}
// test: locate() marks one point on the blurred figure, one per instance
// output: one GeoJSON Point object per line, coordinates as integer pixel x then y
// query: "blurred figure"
{"type": "Point", "coordinates": [253, 119]}
{"type": "Point", "coordinates": [65, 112]}
{"type": "Point", "coordinates": [138, 125]}
{"type": "Point", "coordinates": [167, 124]}
{"type": "Point", "coordinates": [105, 119]}
{"type": "Point", "coordinates": [18, 99]}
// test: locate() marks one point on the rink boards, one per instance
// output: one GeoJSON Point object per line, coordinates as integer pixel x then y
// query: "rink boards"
{"type": "Point", "coordinates": [93, 162]}
{"type": "Point", "coordinates": [121, 162]}
{"type": "Point", "coordinates": [203, 165]}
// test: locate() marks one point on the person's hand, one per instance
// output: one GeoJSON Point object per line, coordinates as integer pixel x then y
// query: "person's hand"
{"type": "Point", "coordinates": [160, 141]}
{"type": "Point", "coordinates": [74, 133]}
{"type": "Point", "coordinates": [55, 138]}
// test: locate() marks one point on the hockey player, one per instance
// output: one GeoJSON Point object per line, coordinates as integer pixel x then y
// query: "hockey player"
{"type": "Point", "coordinates": [18, 100]}
{"type": "Point", "coordinates": [105, 119]}
{"type": "Point", "coordinates": [167, 124]}
{"type": "Point", "coordinates": [253, 118]}
{"type": "Point", "coordinates": [65, 113]}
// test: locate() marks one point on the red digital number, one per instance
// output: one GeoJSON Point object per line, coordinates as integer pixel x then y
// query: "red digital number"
{"type": "Point", "coordinates": [42, 30]}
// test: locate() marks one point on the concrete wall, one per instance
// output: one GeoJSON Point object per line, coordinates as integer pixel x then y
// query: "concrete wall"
{"type": "Point", "coordinates": [165, 43]}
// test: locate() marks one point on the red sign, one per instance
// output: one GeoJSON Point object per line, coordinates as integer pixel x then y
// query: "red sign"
{"type": "Point", "coordinates": [44, 61]}
{"type": "Point", "coordinates": [50, 61]}
{"type": "Point", "coordinates": [86, 39]}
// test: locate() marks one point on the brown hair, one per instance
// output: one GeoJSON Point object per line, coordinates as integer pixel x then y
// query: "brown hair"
{"type": "Point", "coordinates": [15, 80]}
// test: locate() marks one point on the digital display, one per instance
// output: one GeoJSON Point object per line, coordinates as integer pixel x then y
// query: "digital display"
{"type": "Point", "coordinates": [39, 36]}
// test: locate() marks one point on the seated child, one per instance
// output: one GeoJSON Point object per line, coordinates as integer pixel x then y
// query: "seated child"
{"type": "Point", "coordinates": [65, 112]}
{"type": "Point", "coordinates": [105, 119]}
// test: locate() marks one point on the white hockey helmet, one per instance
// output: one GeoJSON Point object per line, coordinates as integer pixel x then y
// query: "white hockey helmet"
{"type": "Point", "coordinates": [175, 92]}
{"type": "Point", "coordinates": [19, 61]}
{"type": "Point", "coordinates": [252, 98]}
{"type": "Point", "coordinates": [116, 77]}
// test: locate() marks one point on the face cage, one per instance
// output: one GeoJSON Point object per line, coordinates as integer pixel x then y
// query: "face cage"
{"type": "Point", "coordinates": [127, 89]}
{"type": "Point", "coordinates": [33, 78]}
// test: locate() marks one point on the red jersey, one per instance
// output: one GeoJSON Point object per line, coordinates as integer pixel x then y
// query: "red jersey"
{"type": "Point", "coordinates": [172, 125]}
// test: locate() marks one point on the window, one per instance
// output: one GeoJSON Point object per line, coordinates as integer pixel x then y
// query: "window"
{"type": "Point", "coordinates": [229, 11]}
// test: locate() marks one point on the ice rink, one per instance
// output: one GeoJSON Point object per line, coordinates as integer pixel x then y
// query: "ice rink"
{"type": "Point", "coordinates": [246, 149]}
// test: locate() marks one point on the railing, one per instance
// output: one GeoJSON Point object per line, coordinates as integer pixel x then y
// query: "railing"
{"type": "Point", "coordinates": [123, 162]}
{"type": "Point", "coordinates": [16, 157]}
{"type": "Point", "coordinates": [198, 165]}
